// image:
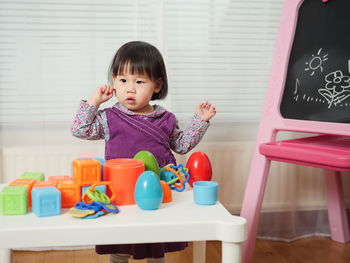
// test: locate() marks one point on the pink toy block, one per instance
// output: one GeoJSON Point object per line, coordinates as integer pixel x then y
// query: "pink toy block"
{"type": "Point", "coordinates": [43, 184]}
{"type": "Point", "coordinates": [56, 179]}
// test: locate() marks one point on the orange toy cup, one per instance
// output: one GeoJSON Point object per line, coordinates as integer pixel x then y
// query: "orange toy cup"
{"type": "Point", "coordinates": [123, 174]}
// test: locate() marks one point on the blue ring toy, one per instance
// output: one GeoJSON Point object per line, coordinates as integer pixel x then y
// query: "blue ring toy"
{"type": "Point", "coordinates": [181, 167]}
{"type": "Point", "coordinates": [93, 206]}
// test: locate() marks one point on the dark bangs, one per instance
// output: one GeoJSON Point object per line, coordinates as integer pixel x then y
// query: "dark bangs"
{"type": "Point", "coordinates": [141, 58]}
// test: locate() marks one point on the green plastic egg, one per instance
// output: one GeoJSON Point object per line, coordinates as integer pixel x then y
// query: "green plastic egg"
{"type": "Point", "coordinates": [148, 160]}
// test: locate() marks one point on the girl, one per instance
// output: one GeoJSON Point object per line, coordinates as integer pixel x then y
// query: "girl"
{"type": "Point", "coordinates": [137, 75]}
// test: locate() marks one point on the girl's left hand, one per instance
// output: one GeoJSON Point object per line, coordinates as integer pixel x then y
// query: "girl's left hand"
{"type": "Point", "coordinates": [206, 111]}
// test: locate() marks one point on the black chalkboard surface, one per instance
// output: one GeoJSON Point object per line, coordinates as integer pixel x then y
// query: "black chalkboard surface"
{"type": "Point", "coordinates": [317, 84]}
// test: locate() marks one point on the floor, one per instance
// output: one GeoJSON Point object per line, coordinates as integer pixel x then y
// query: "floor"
{"type": "Point", "coordinates": [314, 249]}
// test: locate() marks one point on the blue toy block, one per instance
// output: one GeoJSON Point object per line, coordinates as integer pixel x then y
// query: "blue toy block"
{"type": "Point", "coordinates": [14, 200]}
{"type": "Point", "coordinates": [46, 201]}
{"type": "Point", "coordinates": [102, 188]}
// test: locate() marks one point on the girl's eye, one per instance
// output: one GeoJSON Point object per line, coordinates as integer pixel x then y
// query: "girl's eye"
{"type": "Point", "coordinates": [140, 82]}
{"type": "Point", "coordinates": [122, 80]}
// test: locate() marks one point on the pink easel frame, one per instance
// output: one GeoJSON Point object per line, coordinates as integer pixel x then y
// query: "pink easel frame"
{"type": "Point", "coordinates": [271, 123]}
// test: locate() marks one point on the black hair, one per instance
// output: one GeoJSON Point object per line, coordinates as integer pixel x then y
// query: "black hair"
{"type": "Point", "coordinates": [141, 58]}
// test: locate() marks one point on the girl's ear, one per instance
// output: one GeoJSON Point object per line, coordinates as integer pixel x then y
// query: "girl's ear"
{"type": "Point", "coordinates": [114, 79]}
{"type": "Point", "coordinates": [159, 85]}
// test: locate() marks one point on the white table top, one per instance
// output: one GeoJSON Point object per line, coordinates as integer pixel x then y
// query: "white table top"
{"type": "Point", "coordinates": [180, 220]}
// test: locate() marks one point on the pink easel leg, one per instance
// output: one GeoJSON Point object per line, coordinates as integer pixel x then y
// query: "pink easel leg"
{"type": "Point", "coordinates": [252, 202]}
{"type": "Point", "coordinates": [338, 220]}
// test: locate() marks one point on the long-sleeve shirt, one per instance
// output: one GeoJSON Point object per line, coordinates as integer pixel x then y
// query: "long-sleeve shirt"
{"type": "Point", "coordinates": [91, 124]}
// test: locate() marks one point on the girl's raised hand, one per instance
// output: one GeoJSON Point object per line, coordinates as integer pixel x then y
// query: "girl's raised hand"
{"type": "Point", "coordinates": [101, 95]}
{"type": "Point", "coordinates": [206, 111]}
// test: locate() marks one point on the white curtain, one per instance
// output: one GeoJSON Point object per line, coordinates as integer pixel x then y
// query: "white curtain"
{"type": "Point", "coordinates": [54, 53]}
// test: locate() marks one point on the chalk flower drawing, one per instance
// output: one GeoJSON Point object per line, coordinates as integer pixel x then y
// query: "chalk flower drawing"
{"type": "Point", "coordinates": [336, 89]}
{"type": "Point", "coordinates": [316, 62]}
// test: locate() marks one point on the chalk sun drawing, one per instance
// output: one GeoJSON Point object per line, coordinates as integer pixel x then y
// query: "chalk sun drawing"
{"type": "Point", "coordinates": [316, 62]}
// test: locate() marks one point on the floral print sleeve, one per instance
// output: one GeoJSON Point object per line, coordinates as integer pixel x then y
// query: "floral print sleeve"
{"type": "Point", "coordinates": [183, 141]}
{"type": "Point", "coordinates": [90, 123]}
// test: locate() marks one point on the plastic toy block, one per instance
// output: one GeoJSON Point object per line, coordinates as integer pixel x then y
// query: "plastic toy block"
{"type": "Point", "coordinates": [101, 160]}
{"type": "Point", "coordinates": [44, 184]}
{"type": "Point", "coordinates": [70, 193]}
{"type": "Point", "coordinates": [38, 176]}
{"type": "Point", "coordinates": [46, 201]}
{"type": "Point", "coordinates": [25, 182]}
{"type": "Point", "coordinates": [56, 179]}
{"type": "Point", "coordinates": [14, 200]}
{"type": "Point", "coordinates": [86, 171]}
{"type": "Point", "coordinates": [102, 188]}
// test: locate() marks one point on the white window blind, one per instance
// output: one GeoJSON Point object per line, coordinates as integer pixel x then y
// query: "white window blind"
{"type": "Point", "coordinates": [221, 51]}
{"type": "Point", "coordinates": [54, 53]}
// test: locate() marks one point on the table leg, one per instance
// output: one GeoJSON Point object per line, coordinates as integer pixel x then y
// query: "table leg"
{"type": "Point", "coordinates": [199, 251]}
{"type": "Point", "coordinates": [5, 255]}
{"type": "Point", "coordinates": [231, 252]}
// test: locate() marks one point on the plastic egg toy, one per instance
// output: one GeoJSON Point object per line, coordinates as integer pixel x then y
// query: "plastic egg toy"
{"type": "Point", "coordinates": [199, 167]}
{"type": "Point", "coordinates": [148, 191]}
{"type": "Point", "coordinates": [148, 160]}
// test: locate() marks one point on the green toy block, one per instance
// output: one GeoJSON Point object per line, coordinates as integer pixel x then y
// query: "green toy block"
{"type": "Point", "coordinates": [38, 176]}
{"type": "Point", "coordinates": [14, 200]}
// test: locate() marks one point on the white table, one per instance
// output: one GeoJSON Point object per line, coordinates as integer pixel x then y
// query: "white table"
{"type": "Point", "coordinates": [180, 220]}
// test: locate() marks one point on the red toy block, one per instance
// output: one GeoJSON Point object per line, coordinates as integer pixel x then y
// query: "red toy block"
{"type": "Point", "coordinates": [56, 179]}
{"type": "Point", "coordinates": [25, 182]}
{"type": "Point", "coordinates": [86, 172]}
{"type": "Point", "coordinates": [70, 193]}
{"type": "Point", "coordinates": [40, 184]}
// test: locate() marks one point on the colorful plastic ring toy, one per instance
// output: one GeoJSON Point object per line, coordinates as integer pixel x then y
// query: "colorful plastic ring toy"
{"type": "Point", "coordinates": [86, 199]}
{"type": "Point", "coordinates": [93, 206]}
{"type": "Point", "coordinates": [175, 186]}
{"type": "Point", "coordinates": [97, 195]}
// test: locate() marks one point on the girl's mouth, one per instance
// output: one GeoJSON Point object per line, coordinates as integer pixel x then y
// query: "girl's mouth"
{"type": "Point", "coordinates": [130, 100]}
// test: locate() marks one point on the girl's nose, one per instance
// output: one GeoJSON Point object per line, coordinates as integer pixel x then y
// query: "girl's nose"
{"type": "Point", "coordinates": [131, 88]}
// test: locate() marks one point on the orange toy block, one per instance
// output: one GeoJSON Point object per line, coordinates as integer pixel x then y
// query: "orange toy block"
{"type": "Point", "coordinates": [44, 184]}
{"type": "Point", "coordinates": [56, 179]}
{"type": "Point", "coordinates": [25, 182]}
{"type": "Point", "coordinates": [70, 193]}
{"type": "Point", "coordinates": [86, 172]}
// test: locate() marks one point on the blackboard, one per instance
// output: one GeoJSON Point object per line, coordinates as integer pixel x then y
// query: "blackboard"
{"type": "Point", "coordinates": [317, 85]}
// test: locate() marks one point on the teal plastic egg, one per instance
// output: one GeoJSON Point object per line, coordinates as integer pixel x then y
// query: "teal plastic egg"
{"type": "Point", "coordinates": [148, 160]}
{"type": "Point", "coordinates": [148, 191]}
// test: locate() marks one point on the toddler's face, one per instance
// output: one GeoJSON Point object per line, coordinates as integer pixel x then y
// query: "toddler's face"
{"type": "Point", "coordinates": [134, 91]}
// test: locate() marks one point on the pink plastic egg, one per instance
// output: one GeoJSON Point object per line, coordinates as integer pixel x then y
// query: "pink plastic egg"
{"type": "Point", "coordinates": [199, 167]}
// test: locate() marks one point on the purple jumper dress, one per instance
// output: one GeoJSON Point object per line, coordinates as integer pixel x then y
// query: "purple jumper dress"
{"type": "Point", "coordinates": [130, 134]}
